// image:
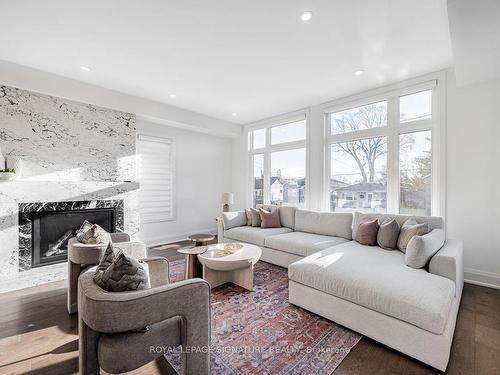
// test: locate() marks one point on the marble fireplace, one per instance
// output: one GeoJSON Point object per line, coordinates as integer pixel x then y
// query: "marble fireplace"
{"type": "Point", "coordinates": [79, 160]}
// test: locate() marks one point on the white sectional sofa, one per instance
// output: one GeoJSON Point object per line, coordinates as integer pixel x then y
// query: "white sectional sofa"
{"type": "Point", "coordinates": [365, 288]}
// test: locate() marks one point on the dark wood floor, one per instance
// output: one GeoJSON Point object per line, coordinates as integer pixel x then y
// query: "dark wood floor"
{"type": "Point", "coordinates": [38, 337]}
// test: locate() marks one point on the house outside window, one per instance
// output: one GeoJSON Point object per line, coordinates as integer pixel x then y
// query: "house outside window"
{"type": "Point", "coordinates": [278, 160]}
{"type": "Point", "coordinates": [381, 152]}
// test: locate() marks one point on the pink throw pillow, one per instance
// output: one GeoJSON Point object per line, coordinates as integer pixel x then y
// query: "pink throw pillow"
{"type": "Point", "coordinates": [270, 219]}
{"type": "Point", "coordinates": [367, 233]}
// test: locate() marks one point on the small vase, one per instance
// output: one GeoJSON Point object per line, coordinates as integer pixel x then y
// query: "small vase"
{"type": "Point", "coordinates": [13, 162]}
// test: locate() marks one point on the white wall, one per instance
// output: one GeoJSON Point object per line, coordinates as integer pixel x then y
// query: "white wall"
{"type": "Point", "coordinates": [472, 168]}
{"type": "Point", "coordinates": [202, 174]}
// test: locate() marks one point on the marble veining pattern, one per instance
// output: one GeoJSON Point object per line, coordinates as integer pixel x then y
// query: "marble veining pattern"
{"type": "Point", "coordinates": [59, 139]}
{"type": "Point", "coordinates": [71, 152]}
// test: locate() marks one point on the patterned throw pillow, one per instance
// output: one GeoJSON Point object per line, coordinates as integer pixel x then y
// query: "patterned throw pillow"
{"type": "Point", "coordinates": [92, 234]}
{"type": "Point", "coordinates": [367, 233]}
{"type": "Point", "coordinates": [124, 273]}
{"type": "Point", "coordinates": [388, 233]}
{"type": "Point", "coordinates": [409, 229]}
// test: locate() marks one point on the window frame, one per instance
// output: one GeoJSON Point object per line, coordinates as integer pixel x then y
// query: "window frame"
{"type": "Point", "coordinates": [392, 131]}
{"type": "Point", "coordinates": [269, 148]}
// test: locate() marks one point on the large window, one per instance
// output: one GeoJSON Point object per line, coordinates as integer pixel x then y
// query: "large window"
{"type": "Point", "coordinates": [380, 154]}
{"type": "Point", "coordinates": [278, 163]}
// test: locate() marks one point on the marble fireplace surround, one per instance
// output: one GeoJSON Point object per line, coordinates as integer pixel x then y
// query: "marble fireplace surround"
{"type": "Point", "coordinates": [71, 152]}
{"type": "Point", "coordinates": [26, 224]}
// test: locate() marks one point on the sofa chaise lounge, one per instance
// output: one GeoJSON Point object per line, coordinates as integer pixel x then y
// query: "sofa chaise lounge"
{"type": "Point", "coordinates": [366, 288]}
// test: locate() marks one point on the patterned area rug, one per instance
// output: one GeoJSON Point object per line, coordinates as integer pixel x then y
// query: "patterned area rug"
{"type": "Point", "coordinates": [259, 332]}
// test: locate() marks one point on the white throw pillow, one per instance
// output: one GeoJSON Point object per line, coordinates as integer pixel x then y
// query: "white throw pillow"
{"type": "Point", "coordinates": [421, 249]}
{"type": "Point", "coordinates": [234, 219]}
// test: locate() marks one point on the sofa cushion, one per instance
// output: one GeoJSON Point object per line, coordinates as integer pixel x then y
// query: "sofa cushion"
{"type": "Point", "coordinates": [287, 214]}
{"type": "Point", "coordinates": [420, 249]}
{"type": "Point", "coordinates": [410, 229]}
{"type": "Point", "coordinates": [367, 233]}
{"type": "Point", "coordinates": [388, 233]}
{"type": "Point", "coordinates": [234, 219]}
{"type": "Point", "coordinates": [255, 217]}
{"type": "Point", "coordinates": [379, 280]}
{"type": "Point", "coordinates": [301, 243]}
{"type": "Point", "coordinates": [433, 221]}
{"type": "Point", "coordinates": [253, 235]}
{"type": "Point", "coordinates": [269, 219]}
{"type": "Point", "coordinates": [326, 223]}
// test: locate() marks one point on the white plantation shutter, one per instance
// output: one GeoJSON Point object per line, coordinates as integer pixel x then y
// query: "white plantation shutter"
{"type": "Point", "coordinates": [155, 171]}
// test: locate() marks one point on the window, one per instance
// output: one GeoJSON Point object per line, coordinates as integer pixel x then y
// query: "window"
{"type": "Point", "coordinates": [295, 131]}
{"type": "Point", "coordinates": [258, 179]}
{"type": "Point", "coordinates": [278, 163]}
{"type": "Point", "coordinates": [288, 177]}
{"type": "Point", "coordinates": [380, 155]}
{"type": "Point", "coordinates": [155, 170]}
{"type": "Point", "coordinates": [364, 117]}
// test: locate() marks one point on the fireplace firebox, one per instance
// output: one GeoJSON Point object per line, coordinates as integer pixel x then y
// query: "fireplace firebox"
{"type": "Point", "coordinates": [51, 231]}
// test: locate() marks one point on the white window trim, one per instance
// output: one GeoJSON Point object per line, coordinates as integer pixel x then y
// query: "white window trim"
{"type": "Point", "coordinates": [436, 82]}
{"type": "Point", "coordinates": [268, 149]}
{"type": "Point", "coordinates": [171, 140]}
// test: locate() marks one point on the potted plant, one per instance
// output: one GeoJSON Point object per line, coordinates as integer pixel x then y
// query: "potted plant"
{"type": "Point", "coordinates": [7, 174]}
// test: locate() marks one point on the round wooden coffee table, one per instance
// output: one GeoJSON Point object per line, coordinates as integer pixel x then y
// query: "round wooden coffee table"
{"type": "Point", "coordinates": [230, 262]}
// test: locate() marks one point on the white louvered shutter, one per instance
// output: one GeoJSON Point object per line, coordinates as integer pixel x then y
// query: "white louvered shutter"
{"type": "Point", "coordinates": [155, 171]}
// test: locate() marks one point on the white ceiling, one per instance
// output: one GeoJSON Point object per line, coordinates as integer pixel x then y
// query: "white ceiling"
{"type": "Point", "coordinates": [255, 58]}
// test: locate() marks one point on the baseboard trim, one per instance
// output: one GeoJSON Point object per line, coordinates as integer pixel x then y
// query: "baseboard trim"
{"type": "Point", "coordinates": [176, 237]}
{"type": "Point", "coordinates": [482, 278]}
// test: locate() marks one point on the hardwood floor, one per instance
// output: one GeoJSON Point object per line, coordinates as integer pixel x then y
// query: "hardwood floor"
{"type": "Point", "coordinates": [37, 336]}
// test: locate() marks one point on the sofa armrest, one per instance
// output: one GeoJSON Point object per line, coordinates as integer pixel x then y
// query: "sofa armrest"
{"type": "Point", "coordinates": [119, 237]}
{"type": "Point", "coordinates": [448, 262]}
{"type": "Point", "coordinates": [158, 271]}
{"type": "Point", "coordinates": [220, 230]}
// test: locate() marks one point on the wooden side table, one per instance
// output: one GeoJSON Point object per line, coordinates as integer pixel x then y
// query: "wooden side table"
{"type": "Point", "coordinates": [193, 267]}
{"type": "Point", "coordinates": [201, 239]}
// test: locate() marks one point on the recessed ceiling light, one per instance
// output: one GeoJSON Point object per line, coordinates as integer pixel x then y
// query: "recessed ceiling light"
{"type": "Point", "coordinates": [359, 72]}
{"type": "Point", "coordinates": [85, 68]}
{"type": "Point", "coordinates": [234, 114]}
{"type": "Point", "coordinates": [306, 16]}
{"type": "Point", "coordinates": [172, 95]}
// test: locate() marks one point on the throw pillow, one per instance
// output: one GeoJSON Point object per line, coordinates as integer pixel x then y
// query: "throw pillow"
{"type": "Point", "coordinates": [93, 235]}
{"type": "Point", "coordinates": [421, 249]}
{"type": "Point", "coordinates": [388, 233]}
{"type": "Point", "coordinates": [409, 229]}
{"type": "Point", "coordinates": [255, 217]}
{"type": "Point", "coordinates": [249, 216]}
{"type": "Point", "coordinates": [367, 233]}
{"type": "Point", "coordinates": [234, 219]}
{"type": "Point", "coordinates": [123, 274]}
{"type": "Point", "coordinates": [270, 219]}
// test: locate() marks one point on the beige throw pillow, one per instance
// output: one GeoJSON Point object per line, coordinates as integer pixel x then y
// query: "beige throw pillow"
{"type": "Point", "coordinates": [388, 233]}
{"type": "Point", "coordinates": [255, 217]}
{"type": "Point", "coordinates": [249, 216]}
{"type": "Point", "coordinates": [409, 229]}
{"type": "Point", "coordinates": [270, 219]}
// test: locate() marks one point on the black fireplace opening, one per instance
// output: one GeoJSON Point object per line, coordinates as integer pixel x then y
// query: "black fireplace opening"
{"type": "Point", "coordinates": [51, 231]}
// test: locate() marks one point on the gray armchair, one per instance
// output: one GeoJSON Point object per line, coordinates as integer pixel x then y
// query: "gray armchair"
{"type": "Point", "coordinates": [111, 334]}
{"type": "Point", "coordinates": [82, 256]}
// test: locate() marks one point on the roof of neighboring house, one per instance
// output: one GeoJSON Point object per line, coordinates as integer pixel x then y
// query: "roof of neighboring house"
{"type": "Point", "coordinates": [363, 187]}
{"type": "Point", "coordinates": [258, 182]}
{"type": "Point", "coordinates": [337, 183]}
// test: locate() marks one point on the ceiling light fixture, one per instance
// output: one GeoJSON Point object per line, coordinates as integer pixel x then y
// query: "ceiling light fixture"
{"type": "Point", "coordinates": [306, 16]}
{"type": "Point", "coordinates": [234, 114]}
{"type": "Point", "coordinates": [172, 95]}
{"type": "Point", "coordinates": [359, 72]}
{"type": "Point", "coordinates": [85, 68]}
